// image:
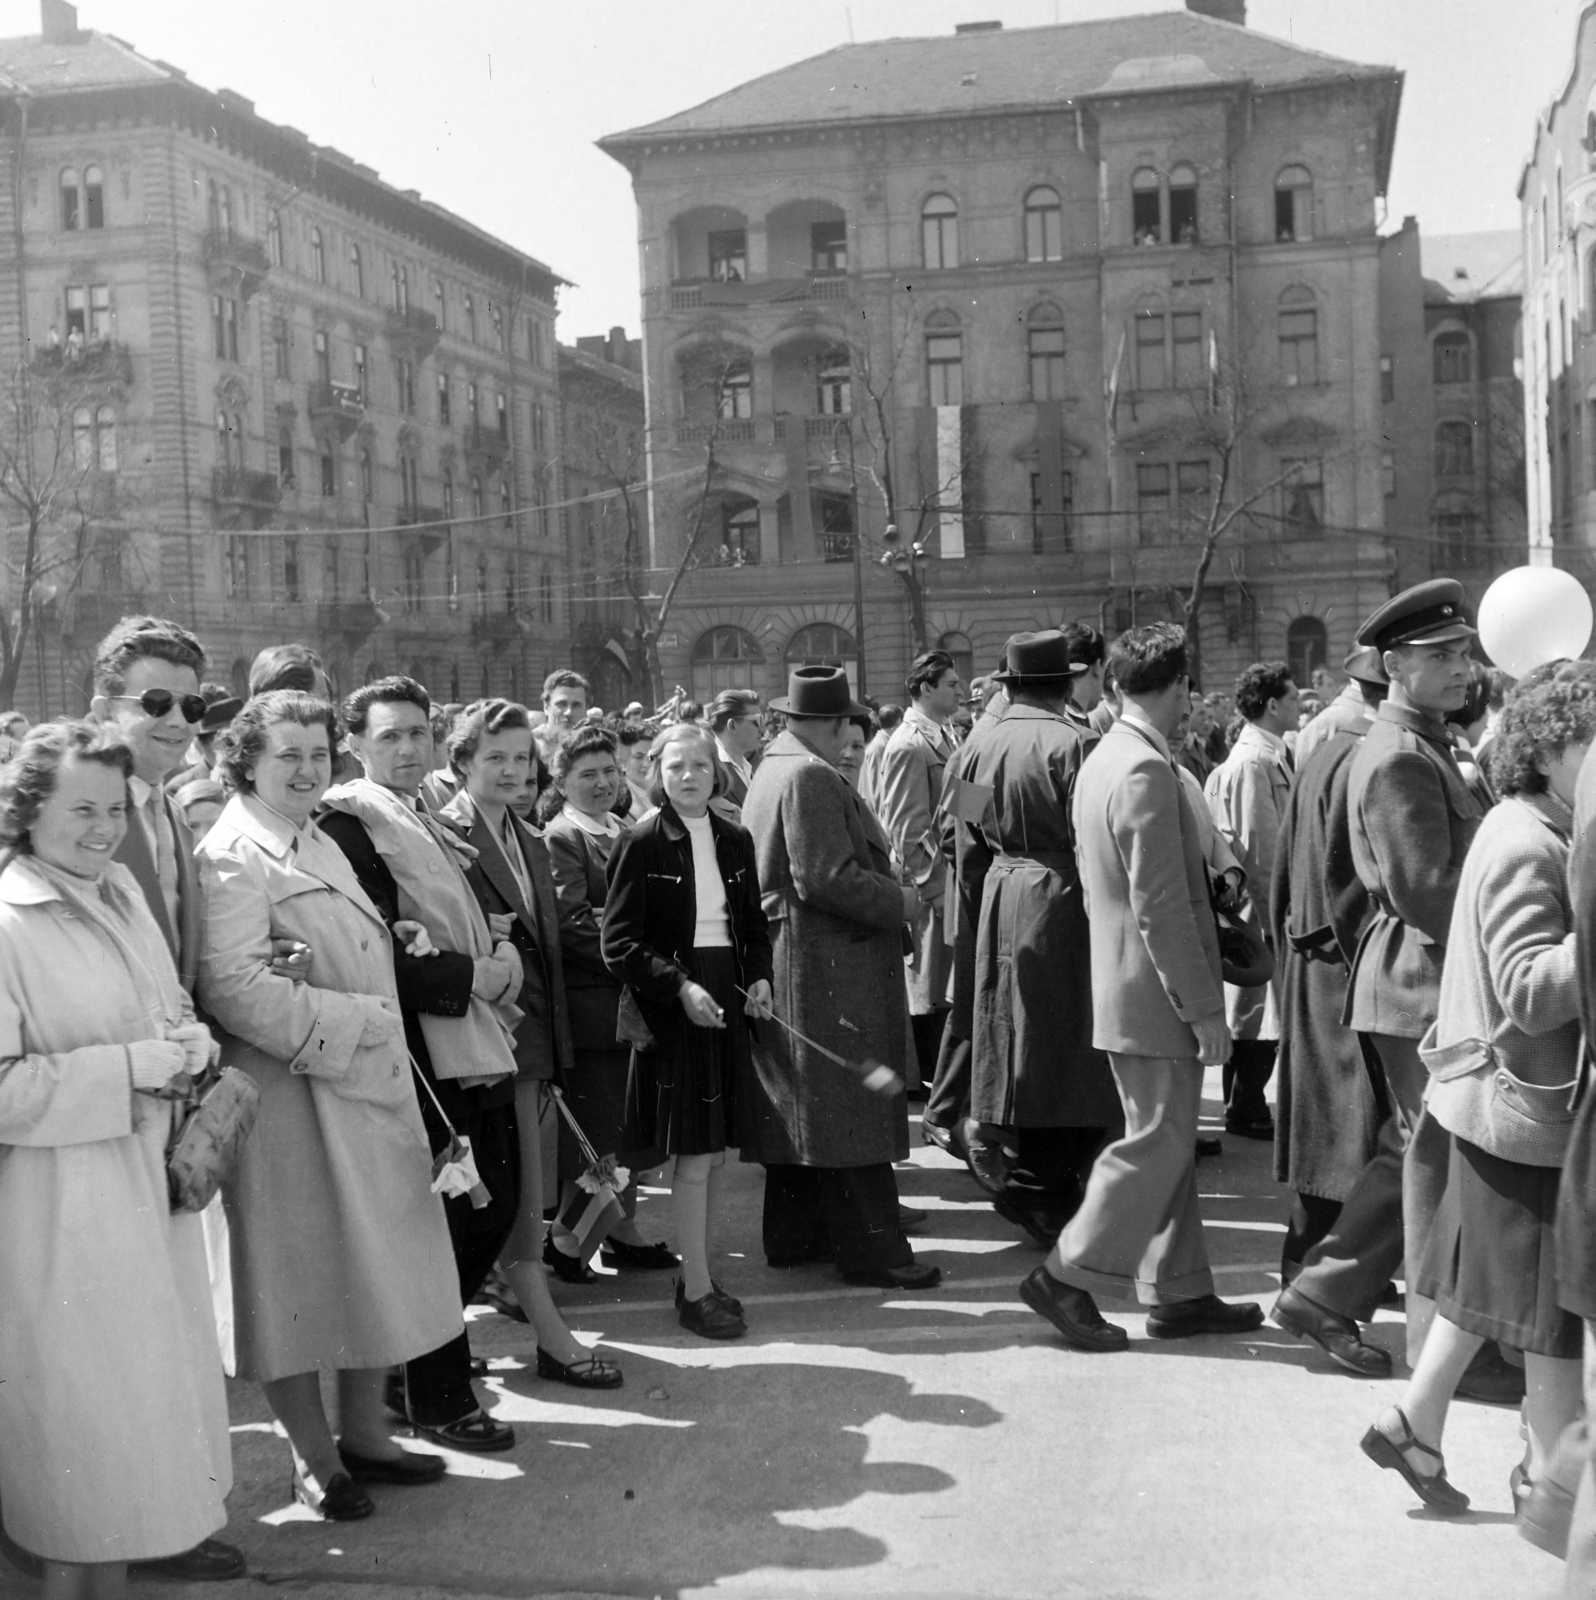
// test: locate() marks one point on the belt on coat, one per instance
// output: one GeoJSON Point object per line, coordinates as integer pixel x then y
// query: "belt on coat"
{"type": "Point", "coordinates": [1053, 860]}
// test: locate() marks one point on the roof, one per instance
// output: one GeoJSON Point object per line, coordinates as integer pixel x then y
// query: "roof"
{"type": "Point", "coordinates": [995, 70]}
{"type": "Point", "coordinates": [88, 61]}
{"type": "Point", "coordinates": [1473, 266]}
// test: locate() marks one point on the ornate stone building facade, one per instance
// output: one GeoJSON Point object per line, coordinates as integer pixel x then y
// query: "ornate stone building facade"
{"type": "Point", "coordinates": [303, 404]}
{"type": "Point", "coordinates": [1021, 308]}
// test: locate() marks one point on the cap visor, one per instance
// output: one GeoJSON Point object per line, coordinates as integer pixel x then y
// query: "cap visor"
{"type": "Point", "coordinates": [1450, 634]}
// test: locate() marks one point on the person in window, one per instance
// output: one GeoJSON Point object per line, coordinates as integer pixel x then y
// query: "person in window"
{"type": "Point", "coordinates": [684, 929]}
{"type": "Point", "coordinates": [113, 1412]}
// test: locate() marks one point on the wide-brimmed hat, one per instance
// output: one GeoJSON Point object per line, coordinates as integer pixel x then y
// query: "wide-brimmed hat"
{"type": "Point", "coordinates": [818, 692]}
{"type": "Point", "coordinates": [1039, 655]}
{"type": "Point", "coordinates": [1435, 612]}
{"type": "Point", "coordinates": [220, 713]}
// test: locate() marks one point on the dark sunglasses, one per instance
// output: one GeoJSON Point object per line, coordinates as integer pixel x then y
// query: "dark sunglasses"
{"type": "Point", "coordinates": [158, 702]}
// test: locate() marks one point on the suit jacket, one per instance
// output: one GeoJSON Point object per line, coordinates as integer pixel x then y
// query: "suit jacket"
{"type": "Point", "coordinates": [579, 862]}
{"type": "Point", "coordinates": [134, 854]}
{"type": "Point", "coordinates": [1412, 821]}
{"type": "Point", "coordinates": [1155, 951]}
{"type": "Point", "coordinates": [535, 932]}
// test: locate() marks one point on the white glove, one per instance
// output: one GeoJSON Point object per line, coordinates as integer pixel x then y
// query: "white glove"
{"type": "Point", "coordinates": [199, 1048]}
{"type": "Point", "coordinates": [155, 1062]}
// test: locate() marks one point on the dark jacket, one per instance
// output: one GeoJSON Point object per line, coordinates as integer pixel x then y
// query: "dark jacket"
{"type": "Point", "coordinates": [580, 863]}
{"type": "Point", "coordinates": [652, 911]}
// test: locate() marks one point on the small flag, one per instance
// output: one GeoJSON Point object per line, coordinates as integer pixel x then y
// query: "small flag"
{"type": "Point", "coordinates": [594, 1207]}
{"type": "Point", "coordinates": [454, 1172]}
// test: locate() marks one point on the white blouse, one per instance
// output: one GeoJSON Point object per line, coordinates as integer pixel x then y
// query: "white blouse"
{"type": "Point", "coordinates": [713, 929]}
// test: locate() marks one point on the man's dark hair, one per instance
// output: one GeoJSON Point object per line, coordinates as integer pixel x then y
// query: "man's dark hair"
{"type": "Point", "coordinates": [137, 638]}
{"type": "Point", "coordinates": [729, 705]}
{"type": "Point", "coordinates": [384, 692]}
{"type": "Point", "coordinates": [565, 678]}
{"type": "Point", "coordinates": [889, 716]}
{"type": "Point", "coordinates": [1260, 683]}
{"type": "Point", "coordinates": [924, 671]}
{"type": "Point", "coordinates": [1147, 660]}
{"type": "Point", "coordinates": [287, 666]}
{"type": "Point", "coordinates": [1087, 645]}
{"type": "Point", "coordinates": [1476, 697]}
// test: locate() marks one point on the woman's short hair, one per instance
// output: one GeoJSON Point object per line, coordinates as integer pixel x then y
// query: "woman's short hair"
{"type": "Point", "coordinates": [199, 792]}
{"type": "Point", "coordinates": [244, 743]}
{"type": "Point", "coordinates": [631, 733]}
{"type": "Point", "coordinates": [483, 719]}
{"type": "Point", "coordinates": [681, 733]}
{"type": "Point", "coordinates": [730, 704]}
{"type": "Point", "coordinates": [1538, 724]}
{"type": "Point", "coordinates": [29, 778]}
{"type": "Point", "coordinates": [584, 741]}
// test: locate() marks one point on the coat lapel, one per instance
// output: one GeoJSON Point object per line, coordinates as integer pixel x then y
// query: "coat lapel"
{"type": "Point", "coordinates": [135, 856]}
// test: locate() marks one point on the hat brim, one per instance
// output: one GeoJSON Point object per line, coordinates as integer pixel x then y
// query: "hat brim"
{"type": "Point", "coordinates": [1077, 669]}
{"type": "Point", "coordinates": [784, 705]}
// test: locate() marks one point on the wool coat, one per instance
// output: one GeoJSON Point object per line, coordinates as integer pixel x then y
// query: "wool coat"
{"type": "Point", "coordinates": [1032, 1061]}
{"type": "Point", "coordinates": [1155, 950]}
{"type": "Point", "coordinates": [968, 883]}
{"type": "Point", "coordinates": [1412, 821]}
{"type": "Point", "coordinates": [341, 1255]}
{"type": "Point", "coordinates": [1328, 1110]}
{"type": "Point", "coordinates": [835, 912]}
{"type": "Point", "coordinates": [113, 1415]}
{"type": "Point", "coordinates": [1348, 713]}
{"type": "Point", "coordinates": [1575, 1230]}
{"type": "Point", "coordinates": [579, 862]}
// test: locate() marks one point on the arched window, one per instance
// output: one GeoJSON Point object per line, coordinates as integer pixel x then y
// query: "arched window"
{"type": "Point", "coordinates": [939, 232]}
{"type": "Point", "coordinates": [407, 480]}
{"type": "Point", "coordinates": [71, 214]}
{"type": "Point", "coordinates": [944, 359]}
{"type": "Point", "coordinates": [1454, 450]}
{"type": "Point", "coordinates": [546, 594]}
{"type": "Point", "coordinates": [1454, 359]}
{"type": "Point", "coordinates": [497, 318]}
{"type": "Point", "coordinates": [725, 658]}
{"type": "Point", "coordinates": [1147, 216]}
{"type": "Point", "coordinates": [1307, 649]}
{"type": "Point", "coordinates": [93, 197]}
{"type": "Point", "coordinates": [504, 502]}
{"type": "Point", "coordinates": [1299, 337]}
{"type": "Point", "coordinates": [274, 239]}
{"type": "Point", "coordinates": [1044, 225]}
{"type": "Point", "coordinates": [959, 647]}
{"type": "Point", "coordinates": [323, 350]}
{"type": "Point", "coordinates": [740, 533]}
{"type": "Point", "coordinates": [224, 442]}
{"type": "Point", "coordinates": [318, 257]}
{"type": "Point", "coordinates": [357, 272]}
{"type": "Point", "coordinates": [1045, 339]}
{"type": "Point", "coordinates": [734, 398]}
{"type": "Point", "coordinates": [824, 644]}
{"type": "Point", "coordinates": [1293, 204]}
{"type": "Point", "coordinates": [1183, 204]}
{"type": "Point", "coordinates": [402, 285]}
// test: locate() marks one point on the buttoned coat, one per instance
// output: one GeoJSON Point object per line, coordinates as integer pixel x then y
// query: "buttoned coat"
{"type": "Point", "coordinates": [835, 913]}
{"type": "Point", "coordinates": [113, 1415]}
{"type": "Point", "coordinates": [1032, 1062]}
{"type": "Point", "coordinates": [1328, 1111]}
{"type": "Point", "coordinates": [1155, 951]}
{"type": "Point", "coordinates": [1348, 713]}
{"type": "Point", "coordinates": [579, 862]}
{"type": "Point", "coordinates": [134, 853]}
{"type": "Point", "coordinates": [1412, 820]}
{"type": "Point", "coordinates": [341, 1255]}
{"type": "Point", "coordinates": [907, 794]}
{"type": "Point", "coordinates": [535, 933]}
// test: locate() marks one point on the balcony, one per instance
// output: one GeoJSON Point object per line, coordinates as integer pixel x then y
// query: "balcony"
{"type": "Point", "coordinates": [428, 521]}
{"type": "Point", "coordinates": [737, 431]}
{"type": "Point", "coordinates": [485, 448]}
{"type": "Point", "coordinates": [741, 295]}
{"type": "Point", "coordinates": [242, 494]}
{"type": "Point", "coordinates": [236, 266]}
{"type": "Point", "coordinates": [413, 330]}
{"type": "Point", "coordinates": [336, 404]}
{"type": "Point", "coordinates": [349, 620]}
{"type": "Point", "coordinates": [99, 366]}
{"type": "Point", "coordinates": [497, 631]}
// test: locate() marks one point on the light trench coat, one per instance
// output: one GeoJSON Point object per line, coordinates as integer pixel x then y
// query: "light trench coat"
{"type": "Point", "coordinates": [341, 1255]}
{"type": "Point", "coordinates": [113, 1414]}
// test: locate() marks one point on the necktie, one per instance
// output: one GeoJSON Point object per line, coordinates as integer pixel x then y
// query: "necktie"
{"type": "Point", "coordinates": [165, 862]}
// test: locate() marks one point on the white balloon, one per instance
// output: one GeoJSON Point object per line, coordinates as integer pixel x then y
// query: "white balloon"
{"type": "Point", "coordinates": [1533, 615]}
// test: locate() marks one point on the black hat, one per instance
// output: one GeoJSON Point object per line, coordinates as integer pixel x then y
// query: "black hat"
{"type": "Point", "coordinates": [219, 713]}
{"type": "Point", "coordinates": [1363, 663]}
{"type": "Point", "coordinates": [1428, 613]}
{"type": "Point", "coordinates": [818, 692]}
{"type": "Point", "coordinates": [1039, 655]}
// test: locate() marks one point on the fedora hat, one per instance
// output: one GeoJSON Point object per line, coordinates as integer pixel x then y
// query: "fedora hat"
{"type": "Point", "coordinates": [219, 713]}
{"type": "Point", "coordinates": [818, 692]}
{"type": "Point", "coordinates": [1039, 655]}
{"type": "Point", "coordinates": [1363, 664]}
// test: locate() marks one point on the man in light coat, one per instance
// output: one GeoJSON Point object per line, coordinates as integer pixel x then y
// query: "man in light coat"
{"type": "Point", "coordinates": [887, 720]}
{"type": "Point", "coordinates": [1159, 1012]}
{"type": "Point", "coordinates": [1248, 794]}
{"type": "Point", "coordinates": [827, 1138]}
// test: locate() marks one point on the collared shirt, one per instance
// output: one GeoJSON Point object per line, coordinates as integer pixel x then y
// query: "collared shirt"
{"type": "Point", "coordinates": [1253, 733]}
{"type": "Point", "coordinates": [739, 764]}
{"type": "Point", "coordinates": [937, 732]}
{"type": "Point", "coordinates": [1143, 726]}
{"type": "Point", "coordinates": [607, 829]}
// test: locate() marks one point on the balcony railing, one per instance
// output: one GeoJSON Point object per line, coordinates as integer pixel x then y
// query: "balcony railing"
{"type": "Point", "coordinates": [496, 630]}
{"type": "Point", "coordinates": [348, 619]}
{"type": "Point", "coordinates": [736, 431]}
{"type": "Point", "coordinates": [337, 403]}
{"type": "Point", "coordinates": [485, 446]}
{"type": "Point", "coordinates": [414, 328]}
{"type": "Point", "coordinates": [97, 364]}
{"type": "Point", "coordinates": [236, 264]}
{"type": "Point", "coordinates": [240, 491]}
{"type": "Point", "coordinates": [766, 292]}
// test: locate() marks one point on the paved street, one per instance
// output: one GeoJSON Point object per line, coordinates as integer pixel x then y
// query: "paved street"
{"type": "Point", "coordinates": [942, 1444]}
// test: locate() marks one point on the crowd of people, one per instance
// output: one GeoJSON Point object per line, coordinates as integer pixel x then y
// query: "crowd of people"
{"type": "Point", "coordinates": [486, 964]}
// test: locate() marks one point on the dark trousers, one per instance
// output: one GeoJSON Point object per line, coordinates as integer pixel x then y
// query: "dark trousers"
{"type": "Point", "coordinates": [1245, 1077]}
{"type": "Point", "coordinates": [928, 1031]}
{"type": "Point", "coordinates": [850, 1213]}
{"type": "Point", "coordinates": [1050, 1168]}
{"type": "Point", "coordinates": [1310, 1220]}
{"type": "Point", "coordinates": [438, 1385]}
{"type": "Point", "coordinates": [1348, 1269]}
{"type": "Point", "coordinates": [948, 1103]}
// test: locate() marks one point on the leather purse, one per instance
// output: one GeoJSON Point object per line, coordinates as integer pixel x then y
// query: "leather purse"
{"type": "Point", "coordinates": [1244, 958]}
{"type": "Point", "coordinates": [218, 1115]}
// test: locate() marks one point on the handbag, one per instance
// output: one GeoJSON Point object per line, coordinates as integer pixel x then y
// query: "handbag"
{"type": "Point", "coordinates": [1244, 958]}
{"type": "Point", "coordinates": [218, 1115]}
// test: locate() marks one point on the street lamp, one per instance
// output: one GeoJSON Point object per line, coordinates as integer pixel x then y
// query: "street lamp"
{"type": "Point", "coordinates": [835, 465]}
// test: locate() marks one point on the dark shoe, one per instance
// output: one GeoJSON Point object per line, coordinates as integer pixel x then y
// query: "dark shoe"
{"type": "Point", "coordinates": [1207, 1314]}
{"type": "Point", "coordinates": [497, 1294]}
{"type": "Point", "coordinates": [1209, 1144]}
{"type": "Point", "coordinates": [210, 1561]}
{"type": "Point", "coordinates": [1394, 1454]}
{"type": "Point", "coordinates": [1043, 1226]}
{"type": "Point", "coordinates": [478, 1434]}
{"type": "Point", "coordinates": [28, 1564]}
{"type": "Point", "coordinates": [710, 1318]}
{"type": "Point", "coordinates": [909, 1217]}
{"type": "Point", "coordinates": [1336, 1335]}
{"type": "Point", "coordinates": [626, 1257]}
{"type": "Point", "coordinates": [1490, 1380]}
{"type": "Point", "coordinates": [410, 1469]}
{"type": "Point", "coordinates": [593, 1373]}
{"type": "Point", "coordinates": [989, 1163]}
{"type": "Point", "coordinates": [942, 1138]}
{"type": "Point", "coordinates": [716, 1290]}
{"type": "Point", "coordinates": [567, 1268]}
{"type": "Point", "coordinates": [479, 1364]}
{"type": "Point", "coordinates": [912, 1275]}
{"type": "Point", "coordinates": [343, 1500]}
{"type": "Point", "coordinates": [1073, 1312]}
{"type": "Point", "coordinates": [1390, 1296]}
{"type": "Point", "coordinates": [1263, 1129]}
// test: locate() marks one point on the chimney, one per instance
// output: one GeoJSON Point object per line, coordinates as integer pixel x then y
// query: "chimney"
{"type": "Point", "coordinates": [58, 21]}
{"type": "Point", "coordinates": [1225, 10]}
{"type": "Point", "coordinates": [978, 27]}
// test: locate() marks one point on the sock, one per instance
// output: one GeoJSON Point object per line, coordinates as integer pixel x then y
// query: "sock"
{"type": "Point", "coordinates": [690, 1211]}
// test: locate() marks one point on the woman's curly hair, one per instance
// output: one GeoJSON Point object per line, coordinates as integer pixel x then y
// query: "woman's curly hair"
{"type": "Point", "coordinates": [29, 778]}
{"type": "Point", "coordinates": [244, 742]}
{"type": "Point", "coordinates": [1539, 722]}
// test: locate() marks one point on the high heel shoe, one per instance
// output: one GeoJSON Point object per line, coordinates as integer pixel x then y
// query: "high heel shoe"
{"type": "Point", "coordinates": [1435, 1492]}
{"type": "Point", "coordinates": [342, 1500]}
{"type": "Point", "coordinates": [593, 1372]}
